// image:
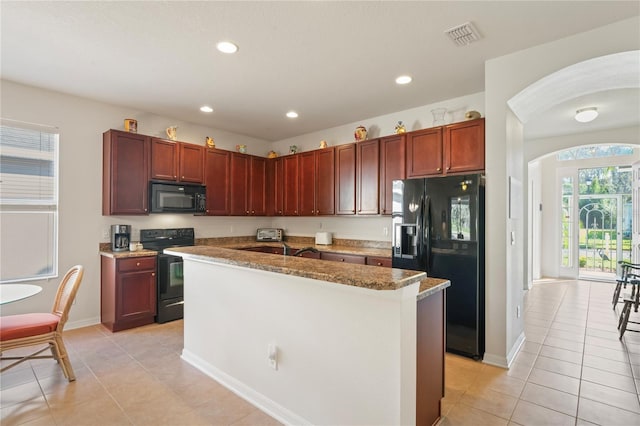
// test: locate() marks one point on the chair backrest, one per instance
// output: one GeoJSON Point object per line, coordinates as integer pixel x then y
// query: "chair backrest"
{"type": "Point", "coordinates": [67, 293]}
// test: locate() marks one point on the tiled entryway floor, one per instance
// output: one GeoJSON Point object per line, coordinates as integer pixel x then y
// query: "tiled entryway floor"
{"type": "Point", "coordinates": [572, 370]}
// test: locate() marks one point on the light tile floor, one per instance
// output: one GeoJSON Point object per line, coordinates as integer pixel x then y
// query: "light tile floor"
{"type": "Point", "coordinates": [572, 370]}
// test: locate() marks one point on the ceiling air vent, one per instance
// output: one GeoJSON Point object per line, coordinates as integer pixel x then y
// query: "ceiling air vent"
{"type": "Point", "coordinates": [464, 34]}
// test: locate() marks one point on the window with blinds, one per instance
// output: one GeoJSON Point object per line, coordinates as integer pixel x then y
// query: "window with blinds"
{"type": "Point", "coordinates": [28, 203]}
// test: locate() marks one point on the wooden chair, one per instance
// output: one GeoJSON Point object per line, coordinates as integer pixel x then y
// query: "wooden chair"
{"type": "Point", "coordinates": [24, 330]}
{"type": "Point", "coordinates": [629, 300]}
{"type": "Point", "coordinates": [629, 274]}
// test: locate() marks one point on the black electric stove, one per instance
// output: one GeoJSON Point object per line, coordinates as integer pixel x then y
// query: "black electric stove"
{"type": "Point", "coordinates": [170, 294]}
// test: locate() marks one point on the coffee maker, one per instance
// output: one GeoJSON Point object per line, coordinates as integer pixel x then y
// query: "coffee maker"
{"type": "Point", "coordinates": [120, 236]}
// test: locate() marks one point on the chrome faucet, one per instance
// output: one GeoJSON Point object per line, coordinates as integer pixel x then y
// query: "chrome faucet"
{"type": "Point", "coordinates": [287, 249]}
{"type": "Point", "coordinates": [306, 249]}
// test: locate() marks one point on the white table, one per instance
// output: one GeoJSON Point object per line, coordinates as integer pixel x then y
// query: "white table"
{"type": "Point", "coordinates": [14, 292]}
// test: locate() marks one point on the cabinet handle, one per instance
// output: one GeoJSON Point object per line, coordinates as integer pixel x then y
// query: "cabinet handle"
{"type": "Point", "coordinates": [448, 167]}
{"type": "Point", "coordinates": [153, 274]}
{"type": "Point", "coordinates": [379, 263]}
{"type": "Point", "coordinates": [279, 211]}
{"type": "Point", "coordinates": [341, 260]}
{"type": "Point", "coordinates": [182, 177]}
{"type": "Point", "coordinates": [247, 211]}
{"type": "Point", "coordinates": [295, 211]}
{"type": "Point", "coordinates": [438, 169]}
{"type": "Point", "coordinates": [138, 264]}
{"type": "Point", "coordinates": [253, 212]}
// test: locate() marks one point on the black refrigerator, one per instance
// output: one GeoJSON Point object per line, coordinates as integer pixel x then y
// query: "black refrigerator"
{"type": "Point", "coordinates": [438, 227]}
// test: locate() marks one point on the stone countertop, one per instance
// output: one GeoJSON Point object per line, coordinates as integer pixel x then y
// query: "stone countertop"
{"type": "Point", "coordinates": [371, 277]}
{"type": "Point", "coordinates": [362, 251]}
{"type": "Point", "coordinates": [429, 286]}
{"type": "Point", "coordinates": [127, 254]}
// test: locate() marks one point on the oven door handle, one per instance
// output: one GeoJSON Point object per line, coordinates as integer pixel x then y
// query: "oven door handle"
{"type": "Point", "coordinates": [175, 304]}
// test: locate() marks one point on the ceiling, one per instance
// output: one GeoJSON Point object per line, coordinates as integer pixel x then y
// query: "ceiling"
{"type": "Point", "coordinates": [332, 62]}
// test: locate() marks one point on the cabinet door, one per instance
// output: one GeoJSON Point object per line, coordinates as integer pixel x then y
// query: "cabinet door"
{"type": "Point", "coordinates": [367, 180]}
{"type": "Point", "coordinates": [257, 190]}
{"type": "Point", "coordinates": [307, 190]}
{"type": "Point", "coordinates": [136, 295]}
{"type": "Point", "coordinates": [379, 261]}
{"type": "Point", "coordinates": [464, 146]}
{"type": "Point", "coordinates": [164, 159]}
{"type": "Point", "coordinates": [238, 184]}
{"type": "Point", "coordinates": [191, 163]}
{"type": "Point", "coordinates": [291, 185]}
{"type": "Point", "coordinates": [278, 186]}
{"type": "Point", "coordinates": [392, 161]}
{"type": "Point", "coordinates": [125, 180]}
{"type": "Point", "coordinates": [424, 152]}
{"type": "Point", "coordinates": [346, 179]}
{"type": "Point", "coordinates": [325, 181]}
{"type": "Point", "coordinates": [217, 182]}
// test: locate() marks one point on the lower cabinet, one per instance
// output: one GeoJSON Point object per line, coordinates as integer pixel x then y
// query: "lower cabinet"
{"type": "Point", "coordinates": [379, 261]}
{"type": "Point", "coordinates": [128, 292]}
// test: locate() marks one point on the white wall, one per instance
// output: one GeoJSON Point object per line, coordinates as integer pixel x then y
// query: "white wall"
{"type": "Point", "coordinates": [504, 78]}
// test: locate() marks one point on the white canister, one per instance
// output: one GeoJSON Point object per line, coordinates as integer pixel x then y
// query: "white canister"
{"type": "Point", "coordinates": [133, 246]}
{"type": "Point", "coordinates": [325, 238]}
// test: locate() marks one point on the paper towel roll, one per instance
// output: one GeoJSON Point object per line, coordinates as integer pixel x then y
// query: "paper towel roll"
{"type": "Point", "coordinates": [324, 238]}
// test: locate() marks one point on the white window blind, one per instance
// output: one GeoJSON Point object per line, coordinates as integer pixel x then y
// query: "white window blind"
{"type": "Point", "coordinates": [28, 202]}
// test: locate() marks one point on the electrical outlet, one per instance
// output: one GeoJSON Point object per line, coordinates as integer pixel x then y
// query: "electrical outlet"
{"type": "Point", "coordinates": [106, 233]}
{"type": "Point", "coordinates": [385, 231]}
{"type": "Point", "coordinates": [518, 311]}
{"type": "Point", "coordinates": [231, 228]}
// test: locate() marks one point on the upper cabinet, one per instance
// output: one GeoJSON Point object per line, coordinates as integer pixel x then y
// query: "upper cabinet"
{"type": "Point", "coordinates": [367, 176]}
{"type": "Point", "coordinates": [317, 182]}
{"type": "Point", "coordinates": [291, 186]}
{"type": "Point", "coordinates": [177, 161]}
{"type": "Point", "coordinates": [392, 167]}
{"type": "Point", "coordinates": [346, 179]}
{"type": "Point", "coordinates": [216, 179]}
{"type": "Point", "coordinates": [455, 148]}
{"type": "Point", "coordinates": [247, 182]}
{"type": "Point", "coordinates": [125, 173]}
{"type": "Point", "coordinates": [464, 146]}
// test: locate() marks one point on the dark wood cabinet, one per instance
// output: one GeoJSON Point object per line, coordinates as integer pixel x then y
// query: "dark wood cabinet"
{"type": "Point", "coordinates": [317, 183]}
{"type": "Point", "coordinates": [125, 173]}
{"type": "Point", "coordinates": [345, 179]}
{"type": "Point", "coordinates": [341, 257]}
{"type": "Point", "coordinates": [291, 187]}
{"type": "Point", "coordinates": [392, 167]}
{"type": "Point", "coordinates": [424, 153]}
{"type": "Point", "coordinates": [177, 161]}
{"type": "Point", "coordinates": [216, 179]}
{"type": "Point", "coordinates": [456, 148]}
{"type": "Point", "coordinates": [464, 146]}
{"type": "Point", "coordinates": [430, 363]}
{"type": "Point", "coordinates": [379, 261]}
{"type": "Point", "coordinates": [128, 292]}
{"type": "Point", "coordinates": [275, 186]}
{"type": "Point", "coordinates": [368, 176]}
{"type": "Point", "coordinates": [191, 164]}
{"type": "Point", "coordinates": [247, 181]}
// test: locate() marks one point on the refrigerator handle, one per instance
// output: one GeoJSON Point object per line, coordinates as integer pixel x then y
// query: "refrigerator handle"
{"type": "Point", "coordinates": [419, 228]}
{"type": "Point", "coordinates": [427, 231]}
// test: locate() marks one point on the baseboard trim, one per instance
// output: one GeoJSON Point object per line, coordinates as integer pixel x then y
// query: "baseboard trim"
{"type": "Point", "coordinates": [82, 323]}
{"type": "Point", "coordinates": [515, 349]}
{"type": "Point", "coordinates": [502, 361]}
{"type": "Point", "coordinates": [267, 405]}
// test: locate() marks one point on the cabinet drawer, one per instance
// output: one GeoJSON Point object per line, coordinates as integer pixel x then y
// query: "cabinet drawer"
{"type": "Point", "coordinates": [379, 261]}
{"type": "Point", "coordinates": [137, 264]}
{"type": "Point", "coordinates": [346, 258]}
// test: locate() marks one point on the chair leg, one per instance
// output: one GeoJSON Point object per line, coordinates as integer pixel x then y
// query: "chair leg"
{"type": "Point", "coordinates": [65, 363]}
{"type": "Point", "coordinates": [626, 312]}
{"type": "Point", "coordinates": [622, 314]}
{"type": "Point", "coordinates": [616, 293]}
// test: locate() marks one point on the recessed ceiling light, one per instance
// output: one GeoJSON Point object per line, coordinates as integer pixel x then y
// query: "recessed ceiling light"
{"type": "Point", "coordinates": [292, 114]}
{"type": "Point", "coordinates": [404, 79]}
{"type": "Point", "coordinates": [586, 115]}
{"type": "Point", "coordinates": [206, 108]}
{"type": "Point", "coordinates": [227, 47]}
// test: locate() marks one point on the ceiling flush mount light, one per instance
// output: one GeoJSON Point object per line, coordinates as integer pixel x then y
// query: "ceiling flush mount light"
{"type": "Point", "coordinates": [464, 34]}
{"type": "Point", "coordinates": [206, 108]}
{"type": "Point", "coordinates": [292, 114]}
{"type": "Point", "coordinates": [585, 115]}
{"type": "Point", "coordinates": [403, 79]}
{"type": "Point", "coordinates": [227, 47]}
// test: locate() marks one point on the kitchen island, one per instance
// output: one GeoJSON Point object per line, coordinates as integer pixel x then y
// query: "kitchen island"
{"type": "Point", "coordinates": [311, 341]}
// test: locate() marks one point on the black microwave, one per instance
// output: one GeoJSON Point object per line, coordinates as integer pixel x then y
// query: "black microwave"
{"type": "Point", "coordinates": [177, 198]}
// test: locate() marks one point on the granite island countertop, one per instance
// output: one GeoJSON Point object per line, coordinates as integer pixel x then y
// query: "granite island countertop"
{"type": "Point", "coordinates": [371, 277]}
